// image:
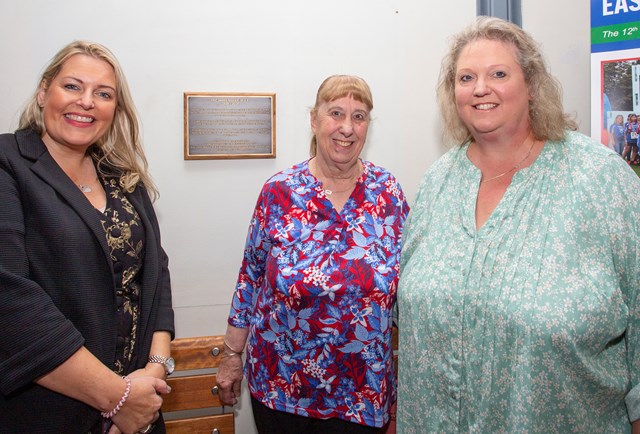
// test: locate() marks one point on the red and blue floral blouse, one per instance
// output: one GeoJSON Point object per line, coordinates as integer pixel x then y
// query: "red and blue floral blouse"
{"type": "Point", "coordinates": [317, 289]}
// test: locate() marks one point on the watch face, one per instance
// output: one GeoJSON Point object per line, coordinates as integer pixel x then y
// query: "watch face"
{"type": "Point", "coordinates": [170, 364]}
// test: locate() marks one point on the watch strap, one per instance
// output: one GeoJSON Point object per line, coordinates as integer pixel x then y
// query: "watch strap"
{"type": "Point", "coordinates": [158, 359]}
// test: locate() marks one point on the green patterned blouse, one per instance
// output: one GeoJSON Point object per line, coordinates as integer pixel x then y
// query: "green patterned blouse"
{"type": "Point", "coordinates": [530, 324]}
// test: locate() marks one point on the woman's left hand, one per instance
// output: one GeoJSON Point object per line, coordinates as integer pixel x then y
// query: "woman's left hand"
{"type": "Point", "coordinates": [151, 370]}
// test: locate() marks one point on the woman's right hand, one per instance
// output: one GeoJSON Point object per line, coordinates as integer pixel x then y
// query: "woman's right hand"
{"type": "Point", "coordinates": [229, 379]}
{"type": "Point", "coordinates": [142, 407]}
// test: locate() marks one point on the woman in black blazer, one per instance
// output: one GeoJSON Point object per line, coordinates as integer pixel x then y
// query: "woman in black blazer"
{"type": "Point", "coordinates": [86, 309]}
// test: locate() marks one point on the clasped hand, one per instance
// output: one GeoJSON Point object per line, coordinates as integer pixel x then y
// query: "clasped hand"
{"type": "Point", "coordinates": [143, 404]}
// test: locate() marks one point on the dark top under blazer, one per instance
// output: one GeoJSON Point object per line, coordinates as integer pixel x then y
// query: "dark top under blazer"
{"type": "Point", "coordinates": [57, 286]}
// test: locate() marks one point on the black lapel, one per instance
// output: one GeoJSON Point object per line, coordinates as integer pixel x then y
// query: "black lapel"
{"type": "Point", "coordinates": [31, 146]}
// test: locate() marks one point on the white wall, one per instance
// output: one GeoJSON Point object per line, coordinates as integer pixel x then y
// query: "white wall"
{"type": "Point", "coordinates": [282, 46]}
{"type": "Point", "coordinates": [563, 29]}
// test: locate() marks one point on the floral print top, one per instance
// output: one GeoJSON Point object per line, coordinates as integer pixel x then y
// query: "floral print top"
{"type": "Point", "coordinates": [125, 238]}
{"type": "Point", "coordinates": [531, 323]}
{"type": "Point", "coordinates": [317, 289]}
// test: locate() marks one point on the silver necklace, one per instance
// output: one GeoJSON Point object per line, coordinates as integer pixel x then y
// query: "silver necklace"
{"type": "Point", "coordinates": [85, 188]}
{"type": "Point", "coordinates": [514, 168]}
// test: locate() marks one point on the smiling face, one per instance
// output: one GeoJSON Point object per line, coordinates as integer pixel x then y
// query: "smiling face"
{"type": "Point", "coordinates": [340, 127]}
{"type": "Point", "coordinates": [492, 96]}
{"type": "Point", "coordinates": [79, 104]}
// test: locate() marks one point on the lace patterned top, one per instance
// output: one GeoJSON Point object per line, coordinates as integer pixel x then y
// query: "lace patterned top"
{"type": "Point", "coordinates": [125, 238]}
{"type": "Point", "coordinates": [317, 288]}
{"type": "Point", "coordinates": [530, 324]}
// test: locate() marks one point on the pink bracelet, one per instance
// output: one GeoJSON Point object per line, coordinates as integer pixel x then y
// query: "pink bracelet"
{"type": "Point", "coordinates": [109, 415]}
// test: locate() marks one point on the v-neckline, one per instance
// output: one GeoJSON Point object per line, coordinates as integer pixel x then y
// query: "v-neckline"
{"type": "Point", "coordinates": [472, 176]}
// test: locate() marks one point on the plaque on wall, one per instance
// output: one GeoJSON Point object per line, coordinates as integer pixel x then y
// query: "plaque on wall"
{"type": "Point", "coordinates": [229, 125]}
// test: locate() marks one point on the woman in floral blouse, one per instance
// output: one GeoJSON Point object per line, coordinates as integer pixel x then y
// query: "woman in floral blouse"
{"type": "Point", "coordinates": [518, 300]}
{"type": "Point", "coordinates": [318, 282]}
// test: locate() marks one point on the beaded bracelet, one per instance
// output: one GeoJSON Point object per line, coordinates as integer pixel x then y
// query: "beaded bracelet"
{"type": "Point", "coordinates": [127, 389]}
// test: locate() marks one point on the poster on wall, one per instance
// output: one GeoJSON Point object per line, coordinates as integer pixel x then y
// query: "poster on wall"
{"type": "Point", "coordinates": [615, 74]}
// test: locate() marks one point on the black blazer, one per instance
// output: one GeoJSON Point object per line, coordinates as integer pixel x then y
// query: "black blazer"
{"type": "Point", "coordinates": [57, 287]}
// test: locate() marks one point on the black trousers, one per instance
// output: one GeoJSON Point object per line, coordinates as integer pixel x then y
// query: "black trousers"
{"type": "Point", "coordinates": [270, 421]}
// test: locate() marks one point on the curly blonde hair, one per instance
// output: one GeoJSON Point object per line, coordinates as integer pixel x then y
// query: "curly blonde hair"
{"type": "Point", "coordinates": [546, 114]}
{"type": "Point", "coordinates": [119, 151]}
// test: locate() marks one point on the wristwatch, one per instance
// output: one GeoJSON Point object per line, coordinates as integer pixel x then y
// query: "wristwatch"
{"type": "Point", "coordinates": [168, 363]}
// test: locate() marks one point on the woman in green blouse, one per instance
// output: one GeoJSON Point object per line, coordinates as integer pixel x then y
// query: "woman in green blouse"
{"type": "Point", "coordinates": [518, 298]}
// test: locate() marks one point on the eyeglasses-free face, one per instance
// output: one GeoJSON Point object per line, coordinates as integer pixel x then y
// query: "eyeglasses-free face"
{"type": "Point", "coordinates": [79, 104]}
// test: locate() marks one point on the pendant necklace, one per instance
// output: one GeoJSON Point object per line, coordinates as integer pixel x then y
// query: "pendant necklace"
{"type": "Point", "coordinates": [86, 188]}
{"type": "Point", "coordinates": [514, 168]}
{"type": "Point", "coordinates": [329, 192]}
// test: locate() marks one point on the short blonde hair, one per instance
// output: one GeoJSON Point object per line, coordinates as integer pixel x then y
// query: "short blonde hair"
{"type": "Point", "coordinates": [339, 86]}
{"type": "Point", "coordinates": [120, 150]}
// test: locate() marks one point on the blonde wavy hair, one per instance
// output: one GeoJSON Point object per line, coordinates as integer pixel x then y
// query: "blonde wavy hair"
{"type": "Point", "coordinates": [339, 86]}
{"type": "Point", "coordinates": [119, 151]}
{"type": "Point", "coordinates": [546, 114]}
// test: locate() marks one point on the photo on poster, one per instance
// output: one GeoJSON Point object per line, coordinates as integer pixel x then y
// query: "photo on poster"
{"type": "Point", "coordinates": [620, 107]}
